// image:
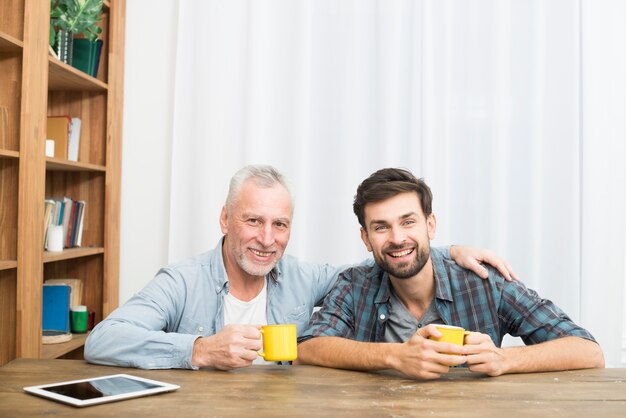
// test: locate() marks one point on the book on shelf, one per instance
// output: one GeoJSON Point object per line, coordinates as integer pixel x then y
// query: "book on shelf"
{"type": "Point", "coordinates": [58, 129]}
{"type": "Point", "coordinates": [79, 228]}
{"type": "Point", "coordinates": [48, 217]}
{"type": "Point", "coordinates": [76, 289]}
{"type": "Point", "coordinates": [86, 55]}
{"type": "Point", "coordinates": [65, 132]}
{"type": "Point", "coordinates": [68, 213]}
{"type": "Point", "coordinates": [55, 314]}
{"type": "Point", "coordinates": [73, 141]}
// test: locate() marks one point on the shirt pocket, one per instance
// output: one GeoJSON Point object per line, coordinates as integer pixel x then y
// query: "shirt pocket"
{"type": "Point", "coordinates": [299, 316]}
{"type": "Point", "coordinates": [191, 326]}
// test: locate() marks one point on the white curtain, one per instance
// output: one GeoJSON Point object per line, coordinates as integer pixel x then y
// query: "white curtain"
{"type": "Point", "coordinates": [506, 108]}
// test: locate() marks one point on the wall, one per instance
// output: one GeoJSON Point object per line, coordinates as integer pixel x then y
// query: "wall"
{"type": "Point", "coordinates": [148, 90]}
{"type": "Point", "coordinates": [149, 87]}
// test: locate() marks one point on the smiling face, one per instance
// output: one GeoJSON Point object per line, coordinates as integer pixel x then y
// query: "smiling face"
{"type": "Point", "coordinates": [257, 226]}
{"type": "Point", "coordinates": [398, 234]}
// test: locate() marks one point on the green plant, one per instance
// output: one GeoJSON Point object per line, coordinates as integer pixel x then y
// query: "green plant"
{"type": "Point", "coordinates": [75, 16]}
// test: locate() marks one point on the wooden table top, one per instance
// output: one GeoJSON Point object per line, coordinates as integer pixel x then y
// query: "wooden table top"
{"type": "Point", "coordinates": [296, 391]}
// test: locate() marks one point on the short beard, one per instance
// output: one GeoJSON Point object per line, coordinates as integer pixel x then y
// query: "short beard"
{"type": "Point", "coordinates": [253, 269]}
{"type": "Point", "coordinates": [407, 270]}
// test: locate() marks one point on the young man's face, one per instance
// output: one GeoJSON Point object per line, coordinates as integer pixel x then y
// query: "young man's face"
{"type": "Point", "coordinates": [398, 234]}
{"type": "Point", "coordinates": [257, 227]}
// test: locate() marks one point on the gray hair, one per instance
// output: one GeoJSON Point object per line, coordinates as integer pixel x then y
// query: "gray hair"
{"type": "Point", "coordinates": [263, 175]}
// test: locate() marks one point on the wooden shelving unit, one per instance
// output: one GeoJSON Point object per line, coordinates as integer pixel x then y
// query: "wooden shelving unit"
{"type": "Point", "coordinates": [34, 85]}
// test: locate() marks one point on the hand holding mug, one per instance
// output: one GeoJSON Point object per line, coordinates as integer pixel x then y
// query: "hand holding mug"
{"type": "Point", "coordinates": [483, 356]}
{"type": "Point", "coordinates": [233, 347]}
{"type": "Point", "coordinates": [424, 358]}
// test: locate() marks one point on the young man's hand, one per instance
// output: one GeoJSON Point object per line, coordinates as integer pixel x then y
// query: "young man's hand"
{"type": "Point", "coordinates": [423, 358]}
{"type": "Point", "coordinates": [483, 356]}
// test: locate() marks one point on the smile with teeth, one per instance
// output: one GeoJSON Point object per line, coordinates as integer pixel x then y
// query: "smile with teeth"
{"type": "Point", "coordinates": [402, 253]}
{"type": "Point", "coordinates": [261, 253]}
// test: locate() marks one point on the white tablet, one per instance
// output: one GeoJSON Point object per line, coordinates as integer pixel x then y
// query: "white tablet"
{"type": "Point", "coordinates": [98, 390]}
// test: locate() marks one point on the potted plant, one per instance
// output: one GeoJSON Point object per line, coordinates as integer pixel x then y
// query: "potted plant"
{"type": "Point", "coordinates": [73, 17]}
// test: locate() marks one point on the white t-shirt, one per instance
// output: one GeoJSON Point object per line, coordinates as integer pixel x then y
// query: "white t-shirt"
{"type": "Point", "coordinates": [251, 312]}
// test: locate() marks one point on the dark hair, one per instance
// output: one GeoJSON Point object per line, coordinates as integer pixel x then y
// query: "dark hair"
{"type": "Point", "coordinates": [386, 183]}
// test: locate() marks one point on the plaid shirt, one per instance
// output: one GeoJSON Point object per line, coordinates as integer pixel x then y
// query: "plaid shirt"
{"type": "Point", "coordinates": [358, 306]}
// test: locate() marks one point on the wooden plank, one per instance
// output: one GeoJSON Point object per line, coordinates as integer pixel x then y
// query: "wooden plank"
{"type": "Point", "coordinates": [32, 167]}
{"type": "Point", "coordinates": [114, 157]}
{"type": "Point", "coordinates": [9, 178]}
{"type": "Point", "coordinates": [9, 44]}
{"type": "Point", "coordinates": [10, 100]}
{"type": "Point", "coordinates": [66, 77]}
{"type": "Point", "coordinates": [8, 264]}
{"type": "Point", "coordinates": [57, 164]}
{"type": "Point", "coordinates": [12, 18]}
{"type": "Point", "coordinates": [9, 154]}
{"type": "Point", "coordinates": [51, 351]}
{"type": "Point", "coordinates": [71, 253]}
{"type": "Point", "coordinates": [308, 391]}
{"type": "Point", "coordinates": [7, 312]}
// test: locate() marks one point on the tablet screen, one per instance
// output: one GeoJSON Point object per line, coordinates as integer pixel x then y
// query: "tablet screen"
{"type": "Point", "coordinates": [101, 389]}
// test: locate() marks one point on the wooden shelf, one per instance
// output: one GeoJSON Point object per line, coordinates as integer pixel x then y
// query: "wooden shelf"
{"type": "Point", "coordinates": [51, 351]}
{"type": "Point", "coordinates": [33, 85]}
{"type": "Point", "coordinates": [56, 164]}
{"type": "Point", "coordinates": [65, 77]}
{"type": "Point", "coordinates": [8, 264]}
{"type": "Point", "coordinates": [9, 43]}
{"type": "Point", "coordinates": [71, 253]}
{"type": "Point", "coordinates": [4, 153]}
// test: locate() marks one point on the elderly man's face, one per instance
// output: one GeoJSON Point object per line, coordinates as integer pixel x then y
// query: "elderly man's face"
{"type": "Point", "coordinates": [257, 227]}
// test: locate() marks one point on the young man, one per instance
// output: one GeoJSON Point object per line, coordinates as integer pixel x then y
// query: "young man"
{"type": "Point", "coordinates": [410, 287]}
{"type": "Point", "coordinates": [206, 311]}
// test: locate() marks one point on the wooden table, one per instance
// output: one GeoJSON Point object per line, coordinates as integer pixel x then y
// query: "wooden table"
{"type": "Point", "coordinates": [298, 391]}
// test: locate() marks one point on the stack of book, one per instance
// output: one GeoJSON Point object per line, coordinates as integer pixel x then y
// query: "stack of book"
{"type": "Point", "coordinates": [68, 213]}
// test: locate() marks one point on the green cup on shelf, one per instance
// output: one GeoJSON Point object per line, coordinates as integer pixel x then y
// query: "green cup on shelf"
{"type": "Point", "coordinates": [78, 319]}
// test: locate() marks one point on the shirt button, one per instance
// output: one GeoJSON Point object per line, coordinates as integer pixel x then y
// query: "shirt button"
{"type": "Point", "coordinates": [382, 317]}
{"type": "Point", "coordinates": [419, 325]}
{"type": "Point", "coordinates": [217, 288]}
{"type": "Point", "coordinates": [200, 328]}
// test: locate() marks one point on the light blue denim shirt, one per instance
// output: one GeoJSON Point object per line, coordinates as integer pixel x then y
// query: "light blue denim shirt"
{"type": "Point", "coordinates": [157, 327]}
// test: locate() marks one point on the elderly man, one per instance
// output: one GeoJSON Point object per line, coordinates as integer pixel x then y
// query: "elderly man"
{"type": "Point", "coordinates": [206, 311]}
{"type": "Point", "coordinates": [410, 287]}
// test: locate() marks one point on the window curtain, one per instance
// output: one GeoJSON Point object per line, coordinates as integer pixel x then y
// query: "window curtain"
{"type": "Point", "coordinates": [512, 111]}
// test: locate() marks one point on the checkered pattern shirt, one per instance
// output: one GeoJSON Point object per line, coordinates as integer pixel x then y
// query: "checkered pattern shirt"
{"type": "Point", "coordinates": [358, 306]}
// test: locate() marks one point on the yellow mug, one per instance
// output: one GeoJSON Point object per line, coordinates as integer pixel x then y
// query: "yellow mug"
{"type": "Point", "coordinates": [280, 342]}
{"type": "Point", "coordinates": [450, 334]}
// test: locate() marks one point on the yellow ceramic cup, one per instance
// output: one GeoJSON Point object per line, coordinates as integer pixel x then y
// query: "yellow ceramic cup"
{"type": "Point", "coordinates": [450, 334]}
{"type": "Point", "coordinates": [279, 342]}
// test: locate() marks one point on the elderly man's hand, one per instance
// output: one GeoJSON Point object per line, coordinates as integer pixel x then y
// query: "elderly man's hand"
{"type": "Point", "coordinates": [471, 259]}
{"type": "Point", "coordinates": [233, 347]}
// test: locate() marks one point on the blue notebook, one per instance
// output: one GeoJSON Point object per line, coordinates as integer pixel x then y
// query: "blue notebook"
{"type": "Point", "coordinates": [56, 308]}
